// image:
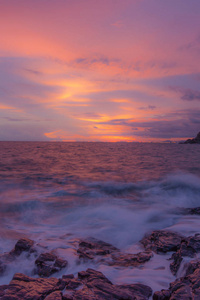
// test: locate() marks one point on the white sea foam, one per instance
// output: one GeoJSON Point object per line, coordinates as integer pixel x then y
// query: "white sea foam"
{"type": "Point", "coordinates": [118, 213]}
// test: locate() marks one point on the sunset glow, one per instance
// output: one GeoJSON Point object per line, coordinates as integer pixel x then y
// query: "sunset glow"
{"type": "Point", "coordinates": [106, 70]}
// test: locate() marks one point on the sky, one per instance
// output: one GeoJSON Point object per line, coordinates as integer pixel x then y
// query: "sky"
{"type": "Point", "coordinates": [99, 70]}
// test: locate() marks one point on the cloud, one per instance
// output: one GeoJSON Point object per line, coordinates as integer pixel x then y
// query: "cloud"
{"type": "Point", "coordinates": [177, 124]}
{"type": "Point", "coordinates": [193, 45]}
{"type": "Point", "coordinates": [187, 94]}
{"type": "Point", "coordinates": [151, 107]}
{"type": "Point", "coordinates": [94, 61]}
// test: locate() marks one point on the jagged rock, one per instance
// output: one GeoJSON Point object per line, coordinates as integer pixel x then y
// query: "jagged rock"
{"type": "Point", "coordinates": [194, 211]}
{"type": "Point", "coordinates": [57, 295]}
{"type": "Point", "coordinates": [48, 264]}
{"type": "Point", "coordinates": [162, 295]}
{"type": "Point", "coordinates": [97, 286]}
{"type": "Point", "coordinates": [184, 288]}
{"type": "Point", "coordinates": [195, 140]}
{"type": "Point", "coordinates": [2, 290]}
{"type": "Point", "coordinates": [22, 245]}
{"type": "Point", "coordinates": [126, 259]}
{"type": "Point", "coordinates": [189, 247]}
{"type": "Point", "coordinates": [27, 288]}
{"type": "Point", "coordinates": [89, 285]}
{"type": "Point", "coordinates": [92, 247]}
{"type": "Point", "coordinates": [162, 241]}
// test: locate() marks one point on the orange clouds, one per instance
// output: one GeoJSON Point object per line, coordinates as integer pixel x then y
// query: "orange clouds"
{"type": "Point", "coordinates": [87, 70]}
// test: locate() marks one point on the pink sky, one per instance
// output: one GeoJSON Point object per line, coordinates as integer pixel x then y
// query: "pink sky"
{"type": "Point", "coordinates": [104, 70]}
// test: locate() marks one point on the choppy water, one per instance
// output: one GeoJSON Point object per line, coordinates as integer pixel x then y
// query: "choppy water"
{"type": "Point", "coordinates": [55, 193]}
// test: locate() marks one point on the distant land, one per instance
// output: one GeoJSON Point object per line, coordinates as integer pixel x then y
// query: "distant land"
{"type": "Point", "coordinates": [195, 140]}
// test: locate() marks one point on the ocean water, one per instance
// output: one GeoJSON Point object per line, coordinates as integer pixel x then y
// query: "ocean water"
{"type": "Point", "coordinates": [58, 192]}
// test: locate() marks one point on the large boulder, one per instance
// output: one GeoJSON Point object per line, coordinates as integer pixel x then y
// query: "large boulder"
{"type": "Point", "coordinates": [48, 264]}
{"type": "Point", "coordinates": [23, 245]}
{"type": "Point", "coordinates": [162, 241]}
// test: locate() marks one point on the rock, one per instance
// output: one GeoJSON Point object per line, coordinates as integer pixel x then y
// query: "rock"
{"type": "Point", "coordinates": [107, 253]}
{"type": "Point", "coordinates": [189, 247]}
{"type": "Point", "coordinates": [89, 285]}
{"type": "Point", "coordinates": [91, 247]}
{"type": "Point", "coordinates": [195, 140]}
{"type": "Point", "coordinates": [23, 244]}
{"type": "Point", "coordinates": [54, 296]}
{"type": "Point", "coordinates": [162, 295]}
{"type": "Point", "coordinates": [27, 288]}
{"type": "Point", "coordinates": [184, 288]}
{"type": "Point", "coordinates": [134, 260]}
{"type": "Point", "coordinates": [161, 241]}
{"type": "Point", "coordinates": [194, 211]}
{"type": "Point", "coordinates": [48, 264]}
{"type": "Point", "coordinates": [2, 290]}
{"type": "Point", "coordinates": [97, 286]}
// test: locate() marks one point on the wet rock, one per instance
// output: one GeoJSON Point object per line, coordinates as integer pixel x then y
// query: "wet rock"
{"type": "Point", "coordinates": [89, 285]}
{"type": "Point", "coordinates": [91, 247]}
{"type": "Point", "coordinates": [22, 245]}
{"type": "Point", "coordinates": [189, 247]}
{"type": "Point", "coordinates": [161, 241]}
{"type": "Point", "coordinates": [2, 290]}
{"type": "Point", "coordinates": [187, 287]}
{"type": "Point", "coordinates": [126, 259]}
{"type": "Point", "coordinates": [54, 296]}
{"type": "Point", "coordinates": [48, 264]}
{"type": "Point", "coordinates": [194, 211]}
{"type": "Point", "coordinates": [107, 253]}
{"type": "Point", "coordinates": [162, 295]}
{"type": "Point", "coordinates": [97, 286]}
{"type": "Point", "coordinates": [27, 288]}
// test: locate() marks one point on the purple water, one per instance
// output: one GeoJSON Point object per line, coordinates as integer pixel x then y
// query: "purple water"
{"type": "Point", "coordinates": [56, 193]}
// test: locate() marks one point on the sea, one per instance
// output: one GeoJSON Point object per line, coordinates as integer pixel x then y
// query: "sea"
{"type": "Point", "coordinates": [57, 193]}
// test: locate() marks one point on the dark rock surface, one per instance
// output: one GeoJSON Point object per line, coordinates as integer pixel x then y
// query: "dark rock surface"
{"type": "Point", "coordinates": [188, 247]}
{"type": "Point", "coordinates": [48, 264]}
{"type": "Point", "coordinates": [24, 287]}
{"type": "Point", "coordinates": [184, 288]}
{"type": "Point", "coordinates": [92, 248]}
{"type": "Point", "coordinates": [195, 140]}
{"type": "Point", "coordinates": [89, 285]}
{"type": "Point", "coordinates": [162, 241]}
{"type": "Point", "coordinates": [96, 286]}
{"type": "Point", "coordinates": [127, 260]}
{"type": "Point", "coordinates": [22, 245]}
{"type": "Point", "coordinates": [194, 211]}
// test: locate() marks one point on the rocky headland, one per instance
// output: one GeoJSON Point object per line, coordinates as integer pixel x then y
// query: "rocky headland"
{"type": "Point", "coordinates": [195, 140]}
{"type": "Point", "coordinates": [91, 284]}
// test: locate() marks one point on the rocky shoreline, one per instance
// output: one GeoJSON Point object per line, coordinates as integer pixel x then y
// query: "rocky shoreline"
{"type": "Point", "coordinates": [195, 140]}
{"type": "Point", "coordinates": [92, 284]}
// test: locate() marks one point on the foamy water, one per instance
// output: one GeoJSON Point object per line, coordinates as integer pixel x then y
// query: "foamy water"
{"type": "Point", "coordinates": [57, 193]}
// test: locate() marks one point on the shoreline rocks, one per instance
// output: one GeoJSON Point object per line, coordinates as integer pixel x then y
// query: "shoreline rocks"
{"type": "Point", "coordinates": [92, 284]}
{"type": "Point", "coordinates": [195, 140]}
{"type": "Point", "coordinates": [186, 287]}
{"type": "Point", "coordinates": [88, 285]}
